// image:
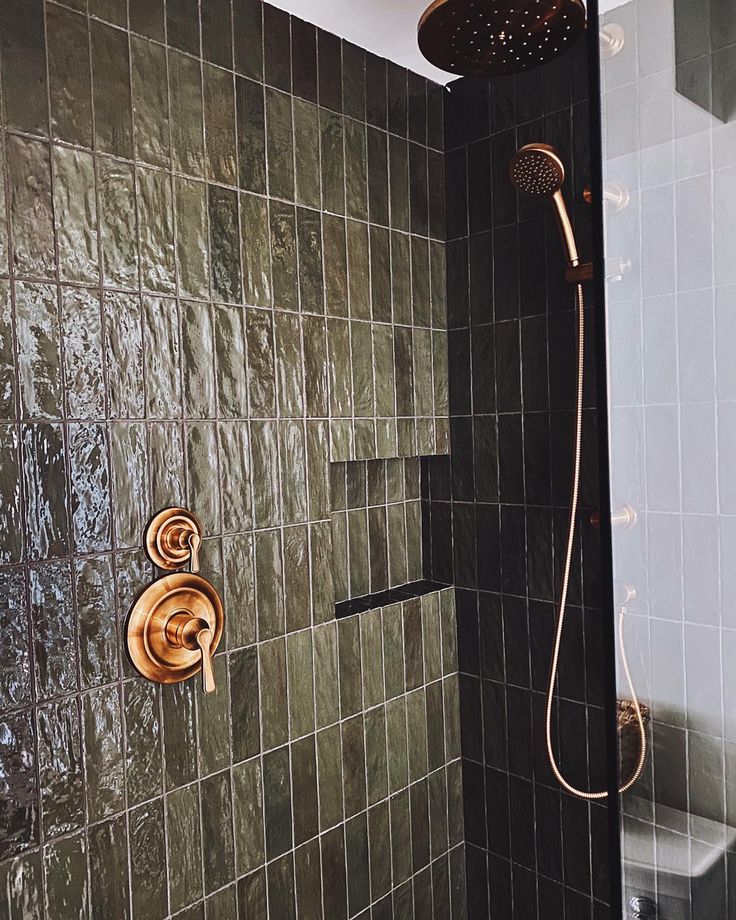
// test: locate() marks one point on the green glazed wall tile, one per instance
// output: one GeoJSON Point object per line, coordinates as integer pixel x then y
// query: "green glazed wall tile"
{"type": "Point", "coordinates": [256, 235]}
{"type": "Point", "coordinates": [213, 713]}
{"type": "Point", "coordinates": [192, 250]}
{"type": "Point", "coordinates": [162, 357]}
{"type": "Point", "coordinates": [147, 854]}
{"type": "Point", "coordinates": [251, 135]}
{"type": "Point", "coordinates": [432, 639]}
{"type": "Point", "coordinates": [108, 860]}
{"type": "Point", "coordinates": [380, 250]}
{"type": "Point", "coordinates": [180, 734]}
{"type": "Point", "coordinates": [280, 879]}
{"type": "Point", "coordinates": [39, 358]}
{"type": "Point", "coordinates": [222, 905]}
{"type": "Point", "coordinates": [301, 683]}
{"type": "Point", "coordinates": [383, 356]}
{"type": "Point", "coordinates": [187, 129]}
{"type": "Point", "coordinates": [452, 716]}
{"type": "Point", "coordinates": [338, 350]}
{"type": "Point", "coordinates": [416, 720]}
{"type": "Point", "coordinates": [334, 885]}
{"type": "Point", "coordinates": [21, 806]}
{"type": "Point", "coordinates": [277, 802]}
{"type": "Point", "coordinates": [150, 102]}
{"type": "Point", "coordinates": [234, 471]}
{"type": "Point", "coordinates": [376, 758]}
{"type": "Point", "coordinates": [377, 153]}
{"type": "Point", "coordinates": [356, 170]}
{"type": "Point", "coordinates": [353, 757]}
{"type": "Point", "coordinates": [379, 854]}
{"type": "Point", "coordinates": [372, 658]}
{"type": "Point", "coordinates": [326, 674]}
{"type": "Point", "coordinates": [418, 189]}
{"type": "Point", "coordinates": [307, 879]}
{"type": "Point", "coordinates": [118, 233]}
{"type": "Point", "coordinates": [438, 285]}
{"type": "Point", "coordinates": [333, 161]}
{"type": "Point", "coordinates": [8, 386]}
{"type": "Point", "coordinates": [420, 281]}
{"type": "Point", "coordinates": [219, 116]}
{"type": "Point", "coordinates": [66, 888]}
{"type": "Point", "coordinates": [261, 363]}
{"type": "Point", "coordinates": [29, 177]}
{"type": "Point", "coordinates": [336, 265]}
{"type": "Point", "coordinates": [292, 450]}
{"type": "Point", "coordinates": [341, 440]}
{"type": "Point", "coordinates": [455, 799]}
{"type": "Point", "coordinates": [198, 370]}
{"type": "Point", "coordinates": [112, 97]}
{"type": "Point", "coordinates": [399, 182]}
{"type": "Point", "coordinates": [361, 347]}
{"type": "Point", "coordinates": [304, 780]}
{"type": "Point", "coordinates": [252, 893]}
{"type": "Point", "coordinates": [143, 774]}
{"type": "Point", "coordinates": [329, 772]}
{"type": "Point", "coordinates": [340, 570]}
{"type": "Point", "coordinates": [396, 740]}
{"type": "Point", "coordinates": [75, 211]}
{"type": "Point", "coordinates": [113, 11]}
{"type": "Point", "coordinates": [15, 660]}
{"type": "Point", "coordinates": [269, 581]}
{"type": "Point", "coordinates": [311, 287]}
{"type": "Point", "coordinates": [400, 836]}
{"type": "Point", "coordinates": [156, 230]}
{"type": "Point", "coordinates": [274, 696]}
{"type": "Point", "coordinates": [97, 625]}
{"type": "Point", "coordinates": [60, 768]}
{"type": "Point", "coordinates": [103, 751]}
{"type": "Point", "coordinates": [296, 578]}
{"type": "Point", "coordinates": [184, 846]}
{"type": "Point", "coordinates": [448, 625]}
{"type": "Point", "coordinates": [248, 816]}
{"type": "Point", "coordinates": [127, 451]}
{"type": "Point", "coordinates": [224, 244]}
{"type": "Point", "coordinates": [289, 363]}
{"type": "Point", "coordinates": [401, 278]}
{"type": "Point", "coordinates": [81, 322]}
{"type": "Point", "coordinates": [231, 373]}
{"type": "Point", "coordinates": [397, 545]}
{"type": "Point", "coordinates": [264, 445]}
{"type": "Point", "coordinates": [378, 543]}
{"type": "Point", "coordinates": [350, 667]}
{"type": "Point", "coordinates": [166, 464]}
{"type": "Point", "coordinates": [306, 138]}
{"type": "Point", "coordinates": [52, 619]}
{"type": "Point", "coordinates": [439, 365]}
{"type": "Point", "coordinates": [280, 145]}
{"type": "Point", "coordinates": [284, 256]}
{"type": "Point", "coordinates": [239, 594]}
{"type": "Point", "coordinates": [217, 831]}
{"type": "Point", "coordinates": [393, 650]}
{"type": "Point", "coordinates": [356, 852]}
{"type": "Point", "coordinates": [202, 486]}
{"type": "Point", "coordinates": [435, 726]}
{"type": "Point", "coordinates": [89, 464]}
{"type": "Point", "coordinates": [358, 270]}
{"type": "Point", "coordinates": [245, 704]}
{"type": "Point", "coordinates": [217, 41]}
{"type": "Point", "coordinates": [323, 589]}
{"type": "Point", "coordinates": [437, 783]}
{"type": "Point", "coordinates": [318, 469]}
{"type": "Point", "coordinates": [358, 553]}
{"type": "Point", "coordinates": [24, 65]}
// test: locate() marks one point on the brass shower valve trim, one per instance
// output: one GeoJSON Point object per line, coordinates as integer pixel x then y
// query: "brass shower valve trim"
{"type": "Point", "coordinates": [175, 625]}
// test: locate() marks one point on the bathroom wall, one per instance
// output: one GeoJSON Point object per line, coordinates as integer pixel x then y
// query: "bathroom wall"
{"type": "Point", "coordinates": [495, 512]}
{"type": "Point", "coordinates": [211, 291]}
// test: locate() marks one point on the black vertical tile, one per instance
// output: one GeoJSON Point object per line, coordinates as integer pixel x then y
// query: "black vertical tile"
{"type": "Point", "coordinates": [376, 87]}
{"type": "Point", "coordinates": [217, 34]}
{"type": "Point", "coordinates": [398, 99]}
{"type": "Point", "coordinates": [182, 25]}
{"type": "Point", "coordinates": [248, 32]}
{"type": "Point", "coordinates": [417, 108]}
{"type": "Point", "coordinates": [304, 59]}
{"type": "Point", "coordinates": [354, 81]}
{"type": "Point", "coordinates": [277, 47]}
{"type": "Point", "coordinates": [24, 65]}
{"type": "Point", "coordinates": [329, 59]}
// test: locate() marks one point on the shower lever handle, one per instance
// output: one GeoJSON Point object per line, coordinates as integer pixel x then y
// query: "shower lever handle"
{"type": "Point", "coordinates": [204, 641]}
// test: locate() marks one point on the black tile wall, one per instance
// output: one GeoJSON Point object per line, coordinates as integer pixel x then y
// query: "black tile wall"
{"type": "Point", "coordinates": [495, 511]}
{"type": "Point", "coordinates": [222, 268]}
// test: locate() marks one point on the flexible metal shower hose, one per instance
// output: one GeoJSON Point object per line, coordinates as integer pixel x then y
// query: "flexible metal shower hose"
{"type": "Point", "coordinates": [581, 793]}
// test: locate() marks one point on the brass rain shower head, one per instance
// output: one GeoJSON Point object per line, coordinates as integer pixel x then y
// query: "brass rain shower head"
{"type": "Point", "coordinates": [497, 37]}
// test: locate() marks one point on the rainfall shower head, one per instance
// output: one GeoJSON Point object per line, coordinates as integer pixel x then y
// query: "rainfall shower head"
{"type": "Point", "coordinates": [496, 37]}
{"type": "Point", "coordinates": [537, 170]}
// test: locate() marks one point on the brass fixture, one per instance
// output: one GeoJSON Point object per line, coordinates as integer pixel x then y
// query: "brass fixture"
{"type": "Point", "coordinates": [173, 539]}
{"type": "Point", "coordinates": [615, 197]}
{"type": "Point", "coordinates": [537, 170]}
{"type": "Point", "coordinates": [483, 38]}
{"type": "Point", "coordinates": [612, 40]}
{"type": "Point", "coordinates": [174, 629]}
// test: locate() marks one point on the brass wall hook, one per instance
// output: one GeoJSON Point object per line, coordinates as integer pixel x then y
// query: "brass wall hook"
{"type": "Point", "coordinates": [174, 629]}
{"type": "Point", "coordinates": [173, 539]}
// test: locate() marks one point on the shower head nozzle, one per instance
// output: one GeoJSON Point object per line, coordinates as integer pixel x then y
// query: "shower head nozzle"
{"type": "Point", "coordinates": [537, 170]}
{"type": "Point", "coordinates": [490, 38]}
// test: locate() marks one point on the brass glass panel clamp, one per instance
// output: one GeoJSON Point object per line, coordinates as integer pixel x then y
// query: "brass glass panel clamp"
{"type": "Point", "coordinates": [173, 539]}
{"type": "Point", "coordinates": [175, 625]}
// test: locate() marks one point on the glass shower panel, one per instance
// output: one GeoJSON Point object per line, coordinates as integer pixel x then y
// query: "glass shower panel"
{"type": "Point", "coordinates": [669, 126]}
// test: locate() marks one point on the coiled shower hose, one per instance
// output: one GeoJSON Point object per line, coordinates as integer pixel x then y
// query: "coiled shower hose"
{"type": "Point", "coordinates": [574, 500]}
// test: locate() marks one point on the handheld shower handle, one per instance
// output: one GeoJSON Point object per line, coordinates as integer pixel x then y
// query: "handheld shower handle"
{"type": "Point", "coordinates": [566, 230]}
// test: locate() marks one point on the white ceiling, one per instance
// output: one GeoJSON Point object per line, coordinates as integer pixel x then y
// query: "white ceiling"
{"type": "Point", "coordinates": [385, 27]}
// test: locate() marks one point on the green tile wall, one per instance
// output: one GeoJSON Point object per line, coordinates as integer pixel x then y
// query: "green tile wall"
{"type": "Point", "coordinates": [222, 270]}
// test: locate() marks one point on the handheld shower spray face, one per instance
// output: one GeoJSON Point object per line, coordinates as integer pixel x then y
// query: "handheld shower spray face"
{"type": "Point", "coordinates": [537, 170]}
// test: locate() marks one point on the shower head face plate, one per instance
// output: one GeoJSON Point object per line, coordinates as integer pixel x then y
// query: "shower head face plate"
{"type": "Point", "coordinates": [537, 170]}
{"type": "Point", "coordinates": [498, 37]}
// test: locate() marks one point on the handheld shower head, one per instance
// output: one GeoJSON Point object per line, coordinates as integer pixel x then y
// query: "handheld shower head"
{"type": "Point", "coordinates": [537, 170]}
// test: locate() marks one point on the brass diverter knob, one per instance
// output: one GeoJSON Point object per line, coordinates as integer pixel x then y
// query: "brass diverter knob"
{"type": "Point", "coordinates": [173, 539]}
{"type": "Point", "coordinates": [174, 629]}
